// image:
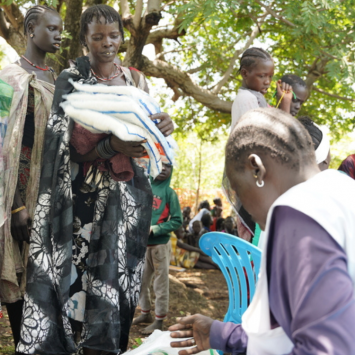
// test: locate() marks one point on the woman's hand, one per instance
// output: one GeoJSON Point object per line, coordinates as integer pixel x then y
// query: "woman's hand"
{"type": "Point", "coordinates": [131, 149]}
{"type": "Point", "coordinates": [166, 125]}
{"type": "Point", "coordinates": [20, 226]}
{"type": "Point", "coordinates": [197, 327]}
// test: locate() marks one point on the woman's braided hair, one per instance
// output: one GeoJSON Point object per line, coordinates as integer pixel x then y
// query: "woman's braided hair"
{"type": "Point", "coordinates": [270, 131]}
{"type": "Point", "coordinates": [250, 56]}
{"type": "Point", "coordinates": [97, 11]}
{"type": "Point", "coordinates": [34, 13]}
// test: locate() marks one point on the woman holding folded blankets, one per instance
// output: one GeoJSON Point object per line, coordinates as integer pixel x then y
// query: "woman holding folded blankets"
{"type": "Point", "coordinates": [93, 215]}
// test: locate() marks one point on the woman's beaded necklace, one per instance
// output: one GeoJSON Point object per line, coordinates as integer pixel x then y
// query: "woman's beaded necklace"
{"type": "Point", "coordinates": [34, 65]}
{"type": "Point", "coordinates": [111, 77]}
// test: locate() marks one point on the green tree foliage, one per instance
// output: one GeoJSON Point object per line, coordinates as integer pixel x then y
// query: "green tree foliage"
{"type": "Point", "coordinates": [313, 39]}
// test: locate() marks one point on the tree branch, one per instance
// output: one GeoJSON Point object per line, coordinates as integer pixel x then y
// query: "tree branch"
{"type": "Point", "coordinates": [125, 9]}
{"type": "Point", "coordinates": [196, 70]}
{"type": "Point", "coordinates": [274, 14]}
{"type": "Point", "coordinates": [237, 53]}
{"type": "Point", "coordinates": [333, 95]}
{"type": "Point", "coordinates": [316, 71]}
{"type": "Point", "coordinates": [153, 6]}
{"type": "Point", "coordinates": [138, 13]}
{"type": "Point", "coordinates": [176, 50]}
{"type": "Point", "coordinates": [4, 26]}
{"type": "Point", "coordinates": [160, 69]}
{"type": "Point", "coordinates": [14, 15]}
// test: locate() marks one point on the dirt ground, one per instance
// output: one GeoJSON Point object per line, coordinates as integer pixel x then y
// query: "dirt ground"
{"type": "Point", "coordinates": [192, 291]}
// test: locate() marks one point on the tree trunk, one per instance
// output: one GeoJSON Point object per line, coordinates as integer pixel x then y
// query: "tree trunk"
{"type": "Point", "coordinates": [199, 177]}
{"type": "Point", "coordinates": [73, 48]}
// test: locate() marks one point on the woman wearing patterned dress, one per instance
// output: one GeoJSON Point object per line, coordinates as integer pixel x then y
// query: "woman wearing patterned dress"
{"type": "Point", "coordinates": [33, 84]}
{"type": "Point", "coordinates": [93, 215]}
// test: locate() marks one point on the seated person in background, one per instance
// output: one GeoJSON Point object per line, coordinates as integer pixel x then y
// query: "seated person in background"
{"type": "Point", "coordinates": [207, 222]}
{"type": "Point", "coordinates": [220, 224]}
{"type": "Point", "coordinates": [203, 209]}
{"type": "Point", "coordinates": [186, 212]}
{"type": "Point", "coordinates": [348, 166]}
{"type": "Point", "coordinates": [181, 234]}
{"type": "Point", "coordinates": [229, 226]}
{"type": "Point", "coordinates": [217, 207]}
{"type": "Point", "coordinates": [194, 237]}
{"type": "Point", "coordinates": [216, 214]}
{"type": "Point", "coordinates": [300, 90]}
{"type": "Point", "coordinates": [187, 256]}
{"type": "Point", "coordinates": [320, 141]}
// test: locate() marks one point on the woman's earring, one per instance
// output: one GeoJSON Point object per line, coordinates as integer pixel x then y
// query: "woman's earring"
{"type": "Point", "coordinates": [260, 184]}
{"type": "Point", "coordinates": [32, 35]}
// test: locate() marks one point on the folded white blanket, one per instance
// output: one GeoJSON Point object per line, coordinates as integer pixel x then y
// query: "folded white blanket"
{"type": "Point", "coordinates": [123, 111]}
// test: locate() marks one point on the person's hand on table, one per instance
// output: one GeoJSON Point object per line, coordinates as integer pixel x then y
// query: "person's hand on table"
{"type": "Point", "coordinates": [196, 327]}
{"type": "Point", "coordinates": [131, 149]}
{"type": "Point", "coordinates": [20, 226]}
{"type": "Point", "coordinates": [166, 125]}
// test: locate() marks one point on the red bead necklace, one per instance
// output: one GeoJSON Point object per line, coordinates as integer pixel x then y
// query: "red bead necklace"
{"type": "Point", "coordinates": [111, 77]}
{"type": "Point", "coordinates": [34, 65]}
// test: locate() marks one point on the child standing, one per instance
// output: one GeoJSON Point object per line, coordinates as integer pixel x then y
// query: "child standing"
{"type": "Point", "coordinates": [257, 71]}
{"type": "Point", "coordinates": [166, 218]}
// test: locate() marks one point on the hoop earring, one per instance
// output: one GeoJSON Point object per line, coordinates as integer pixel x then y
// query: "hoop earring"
{"type": "Point", "coordinates": [260, 184]}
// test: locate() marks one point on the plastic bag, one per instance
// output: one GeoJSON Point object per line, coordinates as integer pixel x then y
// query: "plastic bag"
{"type": "Point", "coordinates": [158, 343]}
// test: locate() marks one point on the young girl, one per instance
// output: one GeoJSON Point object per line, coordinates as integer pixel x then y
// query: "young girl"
{"type": "Point", "coordinates": [257, 70]}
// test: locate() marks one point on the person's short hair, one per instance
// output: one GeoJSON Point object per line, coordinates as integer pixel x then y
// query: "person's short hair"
{"type": "Point", "coordinates": [315, 133]}
{"type": "Point", "coordinates": [251, 55]}
{"type": "Point", "coordinates": [33, 14]}
{"type": "Point", "coordinates": [206, 220]}
{"type": "Point", "coordinates": [219, 223]}
{"type": "Point", "coordinates": [293, 79]}
{"type": "Point", "coordinates": [204, 204]}
{"type": "Point", "coordinates": [217, 199]}
{"type": "Point", "coordinates": [273, 132]}
{"type": "Point", "coordinates": [97, 11]}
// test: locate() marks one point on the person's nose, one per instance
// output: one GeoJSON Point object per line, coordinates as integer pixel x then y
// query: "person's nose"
{"type": "Point", "coordinates": [107, 43]}
{"type": "Point", "coordinates": [267, 81]}
{"type": "Point", "coordinates": [298, 105]}
{"type": "Point", "coordinates": [58, 36]}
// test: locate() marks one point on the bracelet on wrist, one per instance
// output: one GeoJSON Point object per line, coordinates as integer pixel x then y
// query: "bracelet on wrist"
{"type": "Point", "coordinates": [104, 149]}
{"type": "Point", "coordinates": [18, 209]}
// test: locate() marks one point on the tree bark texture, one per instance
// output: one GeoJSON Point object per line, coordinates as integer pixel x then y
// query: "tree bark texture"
{"type": "Point", "coordinates": [73, 48]}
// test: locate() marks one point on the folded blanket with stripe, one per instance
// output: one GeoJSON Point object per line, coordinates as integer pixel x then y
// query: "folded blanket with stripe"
{"type": "Point", "coordinates": [123, 111]}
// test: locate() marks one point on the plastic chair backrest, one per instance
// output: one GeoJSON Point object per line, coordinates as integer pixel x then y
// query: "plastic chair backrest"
{"type": "Point", "coordinates": [239, 262]}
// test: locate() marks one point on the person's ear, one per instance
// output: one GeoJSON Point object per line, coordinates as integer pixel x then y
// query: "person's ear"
{"type": "Point", "coordinates": [257, 168]}
{"type": "Point", "coordinates": [30, 29]}
{"type": "Point", "coordinates": [244, 73]}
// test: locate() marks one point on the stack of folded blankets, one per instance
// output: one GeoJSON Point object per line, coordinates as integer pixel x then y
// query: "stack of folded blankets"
{"type": "Point", "coordinates": [124, 112]}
